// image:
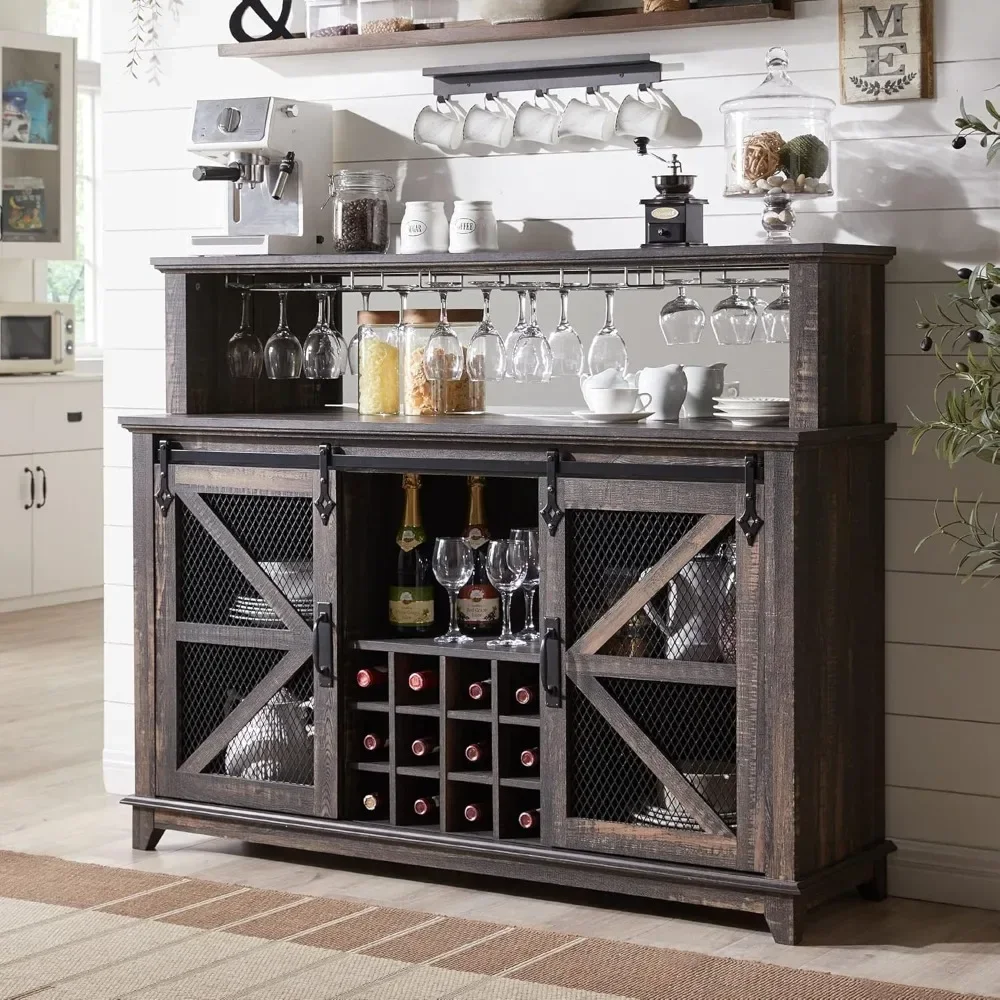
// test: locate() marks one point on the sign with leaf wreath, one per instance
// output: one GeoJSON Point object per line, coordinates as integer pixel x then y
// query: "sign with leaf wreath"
{"type": "Point", "coordinates": [886, 50]}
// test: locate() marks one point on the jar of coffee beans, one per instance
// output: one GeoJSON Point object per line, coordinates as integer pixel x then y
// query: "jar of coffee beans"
{"type": "Point", "coordinates": [360, 211]}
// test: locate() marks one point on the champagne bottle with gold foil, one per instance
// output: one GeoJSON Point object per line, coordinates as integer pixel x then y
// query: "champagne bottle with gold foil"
{"type": "Point", "coordinates": [411, 597]}
{"type": "Point", "coordinates": [478, 600]}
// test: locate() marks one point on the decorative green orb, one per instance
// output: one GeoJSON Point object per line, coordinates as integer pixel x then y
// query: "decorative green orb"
{"type": "Point", "coordinates": [805, 154]}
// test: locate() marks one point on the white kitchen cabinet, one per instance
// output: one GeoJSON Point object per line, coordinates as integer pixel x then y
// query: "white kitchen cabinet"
{"type": "Point", "coordinates": [51, 490]}
{"type": "Point", "coordinates": [16, 539]}
{"type": "Point", "coordinates": [51, 235]}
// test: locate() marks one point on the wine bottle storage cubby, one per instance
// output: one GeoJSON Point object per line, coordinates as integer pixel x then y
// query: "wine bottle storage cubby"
{"type": "Point", "coordinates": [442, 757]}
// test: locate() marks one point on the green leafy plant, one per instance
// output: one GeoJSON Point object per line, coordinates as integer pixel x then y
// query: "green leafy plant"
{"type": "Point", "coordinates": [967, 395]}
{"type": "Point", "coordinates": [144, 35]}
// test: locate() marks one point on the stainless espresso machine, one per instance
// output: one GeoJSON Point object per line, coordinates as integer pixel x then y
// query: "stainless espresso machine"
{"type": "Point", "coordinates": [273, 156]}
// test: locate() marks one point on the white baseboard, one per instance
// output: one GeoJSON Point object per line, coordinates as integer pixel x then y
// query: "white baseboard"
{"type": "Point", "coordinates": [50, 600]}
{"type": "Point", "coordinates": [119, 773]}
{"type": "Point", "coordinates": [962, 876]}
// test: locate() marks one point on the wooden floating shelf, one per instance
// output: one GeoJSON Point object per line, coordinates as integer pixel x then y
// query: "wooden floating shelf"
{"type": "Point", "coordinates": [472, 32]}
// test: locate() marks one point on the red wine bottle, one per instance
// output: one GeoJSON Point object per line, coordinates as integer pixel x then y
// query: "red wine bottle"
{"type": "Point", "coordinates": [371, 802]}
{"type": "Point", "coordinates": [424, 747]}
{"type": "Point", "coordinates": [529, 758]}
{"type": "Point", "coordinates": [475, 812]}
{"type": "Point", "coordinates": [476, 753]}
{"type": "Point", "coordinates": [372, 677]}
{"type": "Point", "coordinates": [422, 680]}
{"type": "Point", "coordinates": [480, 690]}
{"type": "Point", "coordinates": [374, 741]}
{"type": "Point", "coordinates": [529, 819]}
{"type": "Point", "coordinates": [426, 805]}
{"type": "Point", "coordinates": [526, 695]}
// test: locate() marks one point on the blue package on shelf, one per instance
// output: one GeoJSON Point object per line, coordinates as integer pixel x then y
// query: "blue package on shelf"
{"type": "Point", "coordinates": [35, 98]}
{"type": "Point", "coordinates": [16, 123]}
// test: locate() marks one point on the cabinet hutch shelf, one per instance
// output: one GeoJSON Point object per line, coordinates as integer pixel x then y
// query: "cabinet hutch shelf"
{"type": "Point", "coordinates": [730, 755]}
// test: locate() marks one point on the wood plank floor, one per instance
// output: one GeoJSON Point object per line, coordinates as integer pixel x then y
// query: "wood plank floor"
{"type": "Point", "coordinates": [52, 801]}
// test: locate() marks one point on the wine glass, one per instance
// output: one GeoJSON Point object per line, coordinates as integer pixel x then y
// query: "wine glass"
{"type": "Point", "coordinates": [245, 353]}
{"type": "Point", "coordinates": [453, 564]}
{"type": "Point", "coordinates": [734, 319]}
{"type": "Point", "coordinates": [777, 319]}
{"type": "Point", "coordinates": [532, 353]}
{"type": "Point", "coordinates": [506, 566]}
{"type": "Point", "coordinates": [485, 359]}
{"type": "Point", "coordinates": [682, 319]}
{"type": "Point", "coordinates": [354, 347]}
{"type": "Point", "coordinates": [283, 353]}
{"type": "Point", "coordinates": [532, 577]}
{"type": "Point", "coordinates": [321, 354]}
{"type": "Point", "coordinates": [607, 349]}
{"type": "Point", "coordinates": [338, 338]}
{"type": "Point", "coordinates": [515, 335]}
{"type": "Point", "coordinates": [567, 350]}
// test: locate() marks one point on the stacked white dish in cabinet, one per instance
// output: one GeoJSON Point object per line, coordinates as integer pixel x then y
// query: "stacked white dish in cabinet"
{"type": "Point", "coordinates": [51, 490]}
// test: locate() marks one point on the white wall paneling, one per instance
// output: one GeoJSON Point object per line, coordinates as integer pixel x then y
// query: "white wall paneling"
{"type": "Point", "coordinates": [899, 182]}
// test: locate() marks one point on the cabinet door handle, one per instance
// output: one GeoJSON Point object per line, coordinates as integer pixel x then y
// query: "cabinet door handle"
{"type": "Point", "coordinates": [323, 642]}
{"type": "Point", "coordinates": [31, 480]}
{"type": "Point", "coordinates": [550, 663]}
{"type": "Point", "coordinates": [45, 486]}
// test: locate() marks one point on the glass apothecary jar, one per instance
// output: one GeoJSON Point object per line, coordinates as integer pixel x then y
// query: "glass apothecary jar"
{"type": "Point", "coordinates": [331, 18]}
{"type": "Point", "coordinates": [384, 17]}
{"type": "Point", "coordinates": [361, 211]}
{"type": "Point", "coordinates": [778, 146]}
{"type": "Point", "coordinates": [419, 395]}
{"type": "Point", "coordinates": [378, 363]}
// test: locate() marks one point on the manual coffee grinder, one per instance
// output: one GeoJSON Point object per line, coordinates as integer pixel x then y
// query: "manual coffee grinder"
{"type": "Point", "coordinates": [673, 217]}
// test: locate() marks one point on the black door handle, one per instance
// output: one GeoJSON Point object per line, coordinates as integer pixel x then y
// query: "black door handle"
{"type": "Point", "coordinates": [323, 643]}
{"type": "Point", "coordinates": [31, 502]}
{"type": "Point", "coordinates": [45, 485]}
{"type": "Point", "coordinates": [550, 663]}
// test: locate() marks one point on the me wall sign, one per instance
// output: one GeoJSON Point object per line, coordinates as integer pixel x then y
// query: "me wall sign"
{"type": "Point", "coordinates": [886, 50]}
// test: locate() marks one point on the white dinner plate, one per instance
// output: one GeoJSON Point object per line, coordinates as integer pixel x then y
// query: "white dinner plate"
{"type": "Point", "coordinates": [613, 418]}
{"type": "Point", "coordinates": [740, 401]}
{"type": "Point", "coordinates": [748, 423]}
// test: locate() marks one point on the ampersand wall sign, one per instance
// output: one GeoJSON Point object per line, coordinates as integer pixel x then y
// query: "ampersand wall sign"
{"type": "Point", "coordinates": [278, 24]}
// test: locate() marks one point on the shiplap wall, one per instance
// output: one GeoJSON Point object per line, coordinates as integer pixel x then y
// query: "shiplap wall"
{"type": "Point", "coordinates": [898, 181]}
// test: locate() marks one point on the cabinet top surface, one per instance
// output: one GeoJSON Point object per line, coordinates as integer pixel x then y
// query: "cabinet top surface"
{"type": "Point", "coordinates": [748, 255]}
{"type": "Point", "coordinates": [513, 430]}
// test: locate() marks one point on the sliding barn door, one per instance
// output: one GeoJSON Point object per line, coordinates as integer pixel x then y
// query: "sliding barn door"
{"type": "Point", "coordinates": [651, 748]}
{"type": "Point", "coordinates": [244, 573]}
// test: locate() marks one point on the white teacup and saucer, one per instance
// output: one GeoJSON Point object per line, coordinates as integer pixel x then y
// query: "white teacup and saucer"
{"type": "Point", "coordinates": [611, 400]}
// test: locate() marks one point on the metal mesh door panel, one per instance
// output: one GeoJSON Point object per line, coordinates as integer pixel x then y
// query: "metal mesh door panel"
{"type": "Point", "coordinates": [277, 744]}
{"type": "Point", "coordinates": [693, 726]}
{"type": "Point", "coordinates": [692, 618]}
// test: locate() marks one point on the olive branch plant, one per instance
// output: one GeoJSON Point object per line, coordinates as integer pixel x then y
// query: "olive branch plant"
{"type": "Point", "coordinates": [144, 34]}
{"type": "Point", "coordinates": [967, 395]}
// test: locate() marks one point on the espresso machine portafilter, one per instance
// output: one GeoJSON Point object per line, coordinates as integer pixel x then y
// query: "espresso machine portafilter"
{"type": "Point", "coordinates": [272, 157]}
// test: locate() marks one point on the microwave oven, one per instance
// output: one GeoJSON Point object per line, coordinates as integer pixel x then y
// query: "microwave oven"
{"type": "Point", "coordinates": [36, 338]}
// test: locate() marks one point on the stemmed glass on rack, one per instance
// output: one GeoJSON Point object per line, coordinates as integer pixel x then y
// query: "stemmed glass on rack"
{"type": "Point", "coordinates": [567, 349]}
{"type": "Point", "coordinates": [528, 537]}
{"type": "Point", "coordinates": [324, 351]}
{"type": "Point", "coordinates": [506, 567]}
{"type": "Point", "coordinates": [520, 326]}
{"type": "Point", "coordinates": [354, 347]}
{"type": "Point", "coordinates": [734, 320]}
{"type": "Point", "coordinates": [453, 564]}
{"type": "Point", "coordinates": [244, 352]}
{"type": "Point", "coordinates": [682, 319]}
{"type": "Point", "coordinates": [532, 360]}
{"type": "Point", "coordinates": [444, 357]}
{"type": "Point", "coordinates": [607, 349]}
{"type": "Point", "coordinates": [283, 353]}
{"type": "Point", "coordinates": [777, 319]}
{"type": "Point", "coordinates": [486, 359]}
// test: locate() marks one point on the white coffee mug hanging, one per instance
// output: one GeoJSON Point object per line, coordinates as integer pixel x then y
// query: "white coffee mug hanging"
{"type": "Point", "coordinates": [473, 227]}
{"type": "Point", "coordinates": [441, 126]}
{"type": "Point", "coordinates": [646, 114]}
{"type": "Point", "coordinates": [486, 127]}
{"type": "Point", "coordinates": [539, 122]}
{"type": "Point", "coordinates": [587, 120]}
{"type": "Point", "coordinates": [425, 228]}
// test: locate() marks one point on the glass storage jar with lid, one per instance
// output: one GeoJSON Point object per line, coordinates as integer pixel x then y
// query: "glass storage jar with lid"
{"type": "Point", "coordinates": [361, 211]}
{"type": "Point", "coordinates": [420, 396]}
{"type": "Point", "coordinates": [383, 17]}
{"type": "Point", "coordinates": [778, 146]}
{"type": "Point", "coordinates": [378, 363]}
{"type": "Point", "coordinates": [328, 18]}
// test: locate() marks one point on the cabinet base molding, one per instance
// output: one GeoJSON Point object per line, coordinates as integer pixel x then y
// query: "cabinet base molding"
{"type": "Point", "coordinates": [51, 600]}
{"type": "Point", "coordinates": [783, 903]}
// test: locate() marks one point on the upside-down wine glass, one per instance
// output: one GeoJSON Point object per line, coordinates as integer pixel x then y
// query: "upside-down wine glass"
{"type": "Point", "coordinates": [607, 349]}
{"type": "Point", "coordinates": [567, 349]}
{"type": "Point", "coordinates": [486, 360]}
{"type": "Point", "coordinates": [506, 566]}
{"type": "Point", "coordinates": [283, 353]}
{"type": "Point", "coordinates": [514, 336]}
{"type": "Point", "coordinates": [734, 320]}
{"type": "Point", "coordinates": [777, 319]}
{"type": "Point", "coordinates": [682, 319]}
{"type": "Point", "coordinates": [321, 354]}
{"type": "Point", "coordinates": [532, 577]}
{"type": "Point", "coordinates": [532, 353]}
{"type": "Point", "coordinates": [444, 358]}
{"type": "Point", "coordinates": [354, 347]}
{"type": "Point", "coordinates": [245, 353]}
{"type": "Point", "coordinates": [453, 566]}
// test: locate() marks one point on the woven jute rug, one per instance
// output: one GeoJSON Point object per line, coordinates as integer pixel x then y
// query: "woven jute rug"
{"type": "Point", "coordinates": [71, 931]}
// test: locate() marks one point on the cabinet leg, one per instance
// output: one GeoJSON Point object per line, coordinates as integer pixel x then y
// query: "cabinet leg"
{"type": "Point", "coordinates": [785, 919]}
{"type": "Point", "coordinates": [877, 887]}
{"type": "Point", "coordinates": [145, 836]}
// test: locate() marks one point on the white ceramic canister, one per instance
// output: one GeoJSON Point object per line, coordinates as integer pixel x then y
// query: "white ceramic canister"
{"type": "Point", "coordinates": [473, 227]}
{"type": "Point", "coordinates": [425, 228]}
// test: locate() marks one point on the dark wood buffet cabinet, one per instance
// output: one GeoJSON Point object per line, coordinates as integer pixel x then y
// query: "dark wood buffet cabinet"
{"type": "Point", "coordinates": [710, 686]}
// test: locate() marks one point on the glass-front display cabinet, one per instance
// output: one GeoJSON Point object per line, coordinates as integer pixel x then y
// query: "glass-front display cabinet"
{"type": "Point", "coordinates": [37, 146]}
